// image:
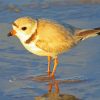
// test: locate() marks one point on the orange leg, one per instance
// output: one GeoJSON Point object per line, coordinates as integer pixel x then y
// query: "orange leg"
{"type": "Point", "coordinates": [49, 62]}
{"type": "Point", "coordinates": [55, 66]}
{"type": "Point", "coordinates": [56, 87]}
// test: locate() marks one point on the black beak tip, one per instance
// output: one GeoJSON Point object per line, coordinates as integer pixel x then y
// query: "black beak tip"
{"type": "Point", "coordinates": [9, 34]}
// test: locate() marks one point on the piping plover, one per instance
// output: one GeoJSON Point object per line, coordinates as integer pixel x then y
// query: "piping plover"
{"type": "Point", "coordinates": [45, 37]}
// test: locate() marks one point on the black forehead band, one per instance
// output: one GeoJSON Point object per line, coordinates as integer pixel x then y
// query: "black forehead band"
{"type": "Point", "coordinates": [15, 24]}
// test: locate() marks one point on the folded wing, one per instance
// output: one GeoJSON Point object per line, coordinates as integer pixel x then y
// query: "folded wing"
{"type": "Point", "coordinates": [53, 37]}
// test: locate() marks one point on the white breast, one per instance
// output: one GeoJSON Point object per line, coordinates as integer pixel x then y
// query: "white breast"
{"type": "Point", "coordinates": [31, 47]}
{"type": "Point", "coordinates": [35, 50]}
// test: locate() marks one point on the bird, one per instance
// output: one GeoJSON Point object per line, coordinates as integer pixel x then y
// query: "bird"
{"type": "Point", "coordinates": [46, 37]}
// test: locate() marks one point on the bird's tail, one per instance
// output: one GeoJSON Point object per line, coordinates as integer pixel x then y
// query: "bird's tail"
{"type": "Point", "coordinates": [84, 34]}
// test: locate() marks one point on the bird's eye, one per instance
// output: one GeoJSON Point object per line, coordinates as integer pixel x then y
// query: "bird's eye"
{"type": "Point", "coordinates": [24, 28]}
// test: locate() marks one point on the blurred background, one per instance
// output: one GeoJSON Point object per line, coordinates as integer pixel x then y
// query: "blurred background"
{"type": "Point", "coordinates": [23, 75]}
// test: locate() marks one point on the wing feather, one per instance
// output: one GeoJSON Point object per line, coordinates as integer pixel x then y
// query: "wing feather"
{"type": "Point", "coordinates": [53, 37]}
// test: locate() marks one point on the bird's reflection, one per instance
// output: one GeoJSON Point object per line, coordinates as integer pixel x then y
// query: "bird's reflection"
{"type": "Point", "coordinates": [53, 90]}
{"type": "Point", "coordinates": [53, 83]}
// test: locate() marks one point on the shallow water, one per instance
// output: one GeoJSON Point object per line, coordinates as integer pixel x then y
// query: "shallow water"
{"type": "Point", "coordinates": [23, 75]}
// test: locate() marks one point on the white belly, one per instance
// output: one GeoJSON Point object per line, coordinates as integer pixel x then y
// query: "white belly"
{"type": "Point", "coordinates": [34, 49]}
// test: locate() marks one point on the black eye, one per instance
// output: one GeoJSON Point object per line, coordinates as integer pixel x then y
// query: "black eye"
{"type": "Point", "coordinates": [24, 28]}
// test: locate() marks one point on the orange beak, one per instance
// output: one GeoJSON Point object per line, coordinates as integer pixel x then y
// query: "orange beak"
{"type": "Point", "coordinates": [12, 33]}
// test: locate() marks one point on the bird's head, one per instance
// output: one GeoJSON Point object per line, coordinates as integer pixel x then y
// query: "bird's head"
{"type": "Point", "coordinates": [23, 28]}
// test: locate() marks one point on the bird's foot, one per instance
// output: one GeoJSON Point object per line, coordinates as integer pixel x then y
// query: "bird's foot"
{"type": "Point", "coordinates": [52, 76]}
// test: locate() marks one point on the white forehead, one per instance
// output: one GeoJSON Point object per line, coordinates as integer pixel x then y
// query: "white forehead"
{"type": "Point", "coordinates": [22, 35]}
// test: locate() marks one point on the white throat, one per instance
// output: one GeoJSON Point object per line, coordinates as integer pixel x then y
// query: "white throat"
{"type": "Point", "coordinates": [23, 37]}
